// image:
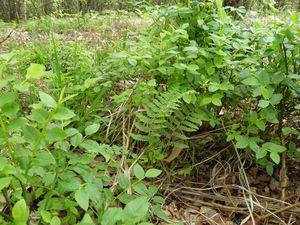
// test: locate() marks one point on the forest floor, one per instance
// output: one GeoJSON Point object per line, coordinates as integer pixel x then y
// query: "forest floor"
{"type": "Point", "coordinates": [212, 184]}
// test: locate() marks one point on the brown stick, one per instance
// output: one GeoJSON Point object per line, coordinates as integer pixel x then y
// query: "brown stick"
{"type": "Point", "coordinates": [279, 211]}
{"type": "Point", "coordinates": [283, 177]}
{"type": "Point", "coordinates": [7, 37]}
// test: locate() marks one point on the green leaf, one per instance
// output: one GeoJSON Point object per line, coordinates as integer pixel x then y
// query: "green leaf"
{"type": "Point", "coordinates": [20, 212]}
{"type": "Point", "coordinates": [265, 92]}
{"type": "Point", "coordinates": [297, 107]}
{"type": "Point", "coordinates": [4, 182]}
{"type": "Point", "coordinates": [31, 134]}
{"type": "Point", "coordinates": [39, 115]}
{"type": "Point", "coordinates": [10, 109]}
{"type": "Point", "coordinates": [47, 100]}
{"type": "Point", "coordinates": [206, 100]}
{"type": "Point", "coordinates": [62, 113]}
{"type": "Point", "coordinates": [87, 220]}
{"type": "Point", "coordinates": [261, 125]}
{"type": "Point", "coordinates": [82, 198]}
{"type": "Point", "coordinates": [76, 139]}
{"type": "Point", "coordinates": [55, 221]}
{"type": "Point", "coordinates": [8, 97]}
{"type": "Point", "coordinates": [270, 169]}
{"type": "Point", "coordinates": [135, 211]}
{"type": "Point", "coordinates": [242, 141]}
{"type": "Point", "coordinates": [275, 157]}
{"type": "Point", "coordinates": [219, 4]}
{"type": "Point", "coordinates": [153, 173]}
{"type": "Point", "coordinates": [216, 99]}
{"type": "Point", "coordinates": [180, 66]}
{"type": "Point", "coordinates": [35, 71]}
{"type": "Point", "coordinates": [55, 134]}
{"type": "Point", "coordinates": [46, 216]}
{"type": "Point", "coordinates": [111, 216]}
{"type": "Point", "coordinates": [273, 147]}
{"type": "Point", "coordinates": [263, 103]}
{"type": "Point", "coordinates": [123, 181]}
{"type": "Point", "coordinates": [275, 99]}
{"type": "Point", "coordinates": [138, 171]}
{"type": "Point", "coordinates": [251, 81]}
{"type": "Point", "coordinates": [91, 129]}
{"type": "Point", "coordinates": [3, 83]}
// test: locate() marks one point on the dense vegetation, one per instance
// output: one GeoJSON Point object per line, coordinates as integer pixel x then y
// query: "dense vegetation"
{"type": "Point", "coordinates": [87, 127]}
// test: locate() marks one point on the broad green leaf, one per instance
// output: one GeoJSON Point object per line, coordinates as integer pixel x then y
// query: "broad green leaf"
{"type": "Point", "coordinates": [55, 221]}
{"type": "Point", "coordinates": [63, 113]}
{"type": "Point", "coordinates": [270, 169]}
{"type": "Point", "coordinates": [6, 98]}
{"type": "Point", "coordinates": [16, 124]}
{"type": "Point", "coordinates": [82, 198]}
{"type": "Point", "coordinates": [55, 134]}
{"type": "Point", "coordinates": [3, 83]}
{"type": "Point", "coordinates": [20, 212]}
{"type": "Point", "coordinates": [35, 71]}
{"type": "Point", "coordinates": [153, 173]}
{"type": "Point", "coordinates": [90, 146]}
{"type": "Point", "coordinates": [263, 103]}
{"type": "Point", "coordinates": [180, 66]}
{"type": "Point", "coordinates": [297, 107]}
{"type": "Point", "coordinates": [93, 147]}
{"type": "Point", "coordinates": [10, 109]}
{"type": "Point", "coordinates": [46, 216]}
{"type": "Point", "coordinates": [273, 147]}
{"type": "Point", "coordinates": [31, 134]}
{"type": "Point", "coordinates": [86, 220]}
{"type": "Point", "coordinates": [43, 159]}
{"type": "Point", "coordinates": [111, 216]}
{"type": "Point", "coordinates": [206, 100]}
{"type": "Point", "coordinates": [39, 115]}
{"type": "Point", "coordinates": [138, 171]}
{"type": "Point", "coordinates": [47, 100]}
{"type": "Point", "coordinates": [4, 182]}
{"type": "Point", "coordinates": [261, 125]}
{"type": "Point", "coordinates": [275, 157]}
{"type": "Point", "coordinates": [216, 99]}
{"type": "Point", "coordinates": [123, 181]}
{"type": "Point", "coordinates": [135, 211]}
{"type": "Point", "coordinates": [275, 99]}
{"type": "Point", "coordinates": [242, 141]}
{"type": "Point", "coordinates": [251, 81]}
{"type": "Point", "coordinates": [49, 178]}
{"type": "Point", "coordinates": [91, 129]}
{"type": "Point", "coordinates": [265, 92]}
{"type": "Point", "coordinates": [269, 114]}
{"type": "Point", "coordinates": [213, 87]}
{"type": "Point", "coordinates": [219, 4]}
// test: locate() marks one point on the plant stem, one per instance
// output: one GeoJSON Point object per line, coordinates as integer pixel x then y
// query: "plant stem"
{"type": "Point", "coordinates": [6, 137]}
{"type": "Point", "coordinates": [7, 199]}
{"type": "Point", "coordinates": [130, 186]}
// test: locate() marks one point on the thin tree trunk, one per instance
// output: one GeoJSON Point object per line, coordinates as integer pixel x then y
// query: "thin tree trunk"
{"type": "Point", "coordinates": [22, 10]}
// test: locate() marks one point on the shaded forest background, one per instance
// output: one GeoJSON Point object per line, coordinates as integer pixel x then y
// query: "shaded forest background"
{"type": "Point", "coordinates": [22, 9]}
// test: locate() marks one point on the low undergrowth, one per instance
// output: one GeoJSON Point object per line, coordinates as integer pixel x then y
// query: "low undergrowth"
{"type": "Point", "coordinates": [84, 131]}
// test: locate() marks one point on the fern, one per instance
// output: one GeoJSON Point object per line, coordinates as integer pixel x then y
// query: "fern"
{"type": "Point", "coordinates": [167, 120]}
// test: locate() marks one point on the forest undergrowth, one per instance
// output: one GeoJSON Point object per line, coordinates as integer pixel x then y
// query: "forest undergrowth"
{"type": "Point", "coordinates": [190, 117]}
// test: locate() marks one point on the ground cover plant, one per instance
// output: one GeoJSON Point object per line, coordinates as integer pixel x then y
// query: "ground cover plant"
{"type": "Point", "coordinates": [106, 133]}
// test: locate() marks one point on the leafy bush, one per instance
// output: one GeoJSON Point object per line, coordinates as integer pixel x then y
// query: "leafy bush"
{"type": "Point", "coordinates": [59, 172]}
{"type": "Point", "coordinates": [205, 64]}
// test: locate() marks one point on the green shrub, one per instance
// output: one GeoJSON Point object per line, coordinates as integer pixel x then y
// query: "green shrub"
{"type": "Point", "coordinates": [204, 62]}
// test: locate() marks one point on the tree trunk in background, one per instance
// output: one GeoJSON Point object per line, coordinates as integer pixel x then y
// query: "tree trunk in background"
{"type": "Point", "coordinates": [5, 10]}
{"type": "Point", "coordinates": [22, 9]}
{"type": "Point", "coordinates": [47, 6]}
{"type": "Point", "coordinates": [13, 10]}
